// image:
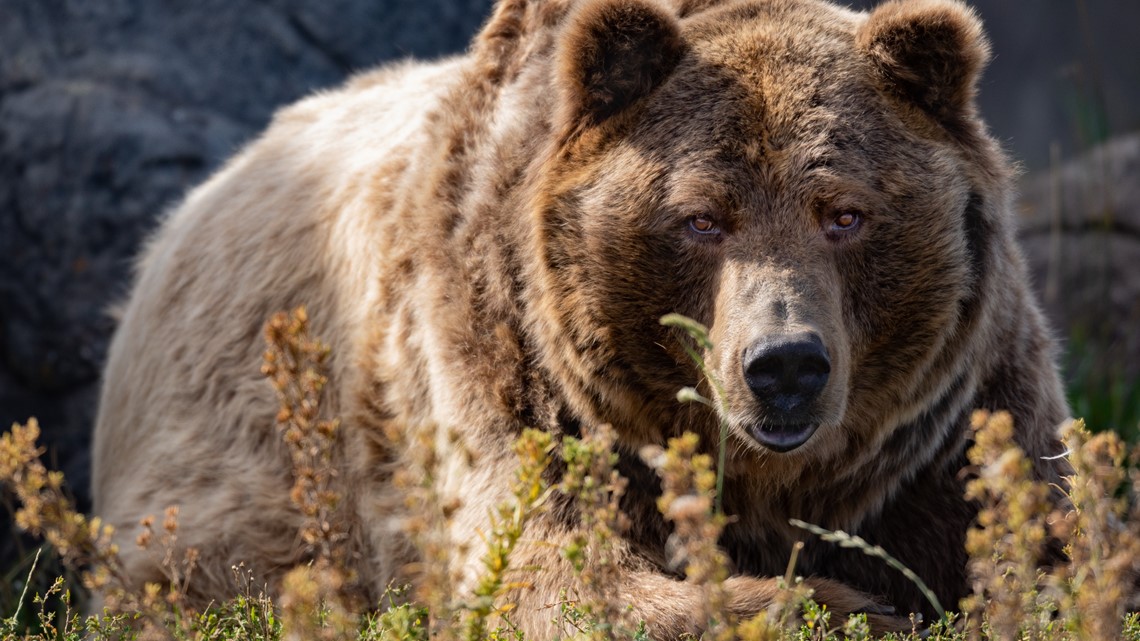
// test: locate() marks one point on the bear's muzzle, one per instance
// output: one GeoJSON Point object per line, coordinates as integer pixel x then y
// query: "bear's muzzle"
{"type": "Point", "coordinates": [786, 373]}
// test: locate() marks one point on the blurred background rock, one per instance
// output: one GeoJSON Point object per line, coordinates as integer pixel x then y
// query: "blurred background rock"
{"type": "Point", "coordinates": [111, 109]}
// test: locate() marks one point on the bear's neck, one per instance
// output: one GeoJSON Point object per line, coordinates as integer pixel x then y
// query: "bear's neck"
{"type": "Point", "coordinates": [472, 243]}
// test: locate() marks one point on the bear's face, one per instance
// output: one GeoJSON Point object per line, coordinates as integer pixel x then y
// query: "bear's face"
{"type": "Point", "coordinates": [775, 185]}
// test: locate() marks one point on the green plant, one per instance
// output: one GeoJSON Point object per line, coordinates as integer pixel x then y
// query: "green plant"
{"type": "Point", "coordinates": [1098, 388]}
{"type": "Point", "coordinates": [592, 479]}
{"type": "Point", "coordinates": [533, 449]}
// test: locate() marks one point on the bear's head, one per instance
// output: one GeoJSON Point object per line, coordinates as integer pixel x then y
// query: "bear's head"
{"type": "Point", "coordinates": [811, 183]}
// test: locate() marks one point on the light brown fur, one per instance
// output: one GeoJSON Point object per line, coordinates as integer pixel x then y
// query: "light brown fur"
{"type": "Point", "coordinates": [487, 244]}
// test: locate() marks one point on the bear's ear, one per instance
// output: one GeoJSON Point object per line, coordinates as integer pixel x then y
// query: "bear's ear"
{"type": "Point", "coordinates": [613, 53]}
{"type": "Point", "coordinates": [929, 52]}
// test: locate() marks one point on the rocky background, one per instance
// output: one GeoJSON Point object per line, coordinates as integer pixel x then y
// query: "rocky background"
{"type": "Point", "coordinates": [111, 109]}
{"type": "Point", "coordinates": [1081, 233]}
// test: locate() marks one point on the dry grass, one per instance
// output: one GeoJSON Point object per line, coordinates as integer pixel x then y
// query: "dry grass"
{"type": "Point", "coordinates": [1085, 594]}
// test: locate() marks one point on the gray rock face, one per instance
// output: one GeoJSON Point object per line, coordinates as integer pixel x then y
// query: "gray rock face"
{"type": "Point", "coordinates": [1064, 72]}
{"type": "Point", "coordinates": [1081, 235]}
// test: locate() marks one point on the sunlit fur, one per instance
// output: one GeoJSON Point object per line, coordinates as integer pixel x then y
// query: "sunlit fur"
{"type": "Point", "coordinates": [487, 243]}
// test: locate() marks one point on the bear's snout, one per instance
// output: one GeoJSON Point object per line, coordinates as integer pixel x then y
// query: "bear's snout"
{"type": "Point", "coordinates": [787, 373]}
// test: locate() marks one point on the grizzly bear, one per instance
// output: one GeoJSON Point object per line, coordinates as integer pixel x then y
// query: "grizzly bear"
{"type": "Point", "coordinates": [488, 242]}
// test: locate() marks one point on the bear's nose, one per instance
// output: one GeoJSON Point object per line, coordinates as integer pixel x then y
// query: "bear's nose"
{"type": "Point", "coordinates": [787, 373]}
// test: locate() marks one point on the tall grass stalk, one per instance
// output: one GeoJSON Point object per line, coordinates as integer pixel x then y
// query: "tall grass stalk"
{"type": "Point", "coordinates": [24, 592]}
{"type": "Point", "coordinates": [700, 334]}
{"type": "Point", "coordinates": [845, 540]}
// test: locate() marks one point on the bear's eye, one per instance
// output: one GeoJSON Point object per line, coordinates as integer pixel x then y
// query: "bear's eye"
{"type": "Point", "coordinates": [845, 222]}
{"type": "Point", "coordinates": [703, 225]}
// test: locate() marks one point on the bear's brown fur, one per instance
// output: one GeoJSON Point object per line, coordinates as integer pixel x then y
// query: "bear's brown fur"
{"type": "Point", "coordinates": [488, 242]}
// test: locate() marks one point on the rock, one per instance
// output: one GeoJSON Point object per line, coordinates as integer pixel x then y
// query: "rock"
{"type": "Point", "coordinates": [1063, 73]}
{"type": "Point", "coordinates": [1080, 229]}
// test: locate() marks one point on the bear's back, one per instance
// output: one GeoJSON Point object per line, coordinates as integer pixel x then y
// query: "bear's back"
{"type": "Point", "coordinates": [298, 217]}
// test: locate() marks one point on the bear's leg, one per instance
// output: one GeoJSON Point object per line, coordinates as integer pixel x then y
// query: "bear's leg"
{"type": "Point", "coordinates": [669, 607]}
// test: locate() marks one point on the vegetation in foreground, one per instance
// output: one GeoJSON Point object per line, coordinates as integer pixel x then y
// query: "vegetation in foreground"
{"type": "Point", "coordinates": [1012, 596]}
